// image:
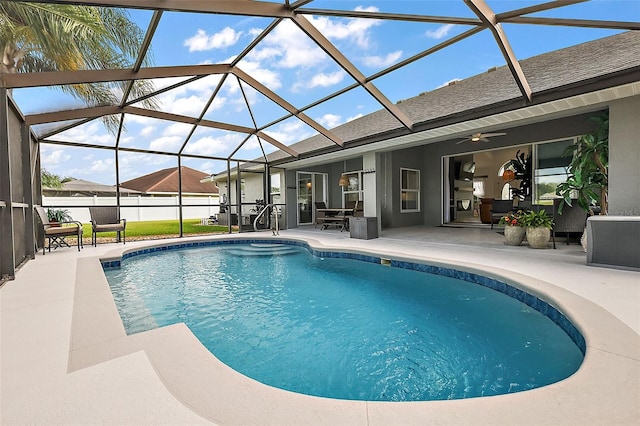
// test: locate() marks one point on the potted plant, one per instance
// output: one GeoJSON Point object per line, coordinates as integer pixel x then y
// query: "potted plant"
{"type": "Point", "coordinates": [588, 179]}
{"type": "Point", "coordinates": [56, 216]}
{"type": "Point", "coordinates": [538, 226]}
{"type": "Point", "coordinates": [514, 231]}
{"type": "Point", "coordinates": [588, 171]}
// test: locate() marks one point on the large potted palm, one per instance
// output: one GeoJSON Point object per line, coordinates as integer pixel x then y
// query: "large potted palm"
{"type": "Point", "coordinates": [588, 171]}
{"type": "Point", "coordinates": [588, 181]}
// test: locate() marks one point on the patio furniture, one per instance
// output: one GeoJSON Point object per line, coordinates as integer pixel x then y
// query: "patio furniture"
{"type": "Point", "coordinates": [338, 217]}
{"type": "Point", "coordinates": [321, 213]}
{"type": "Point", "coordinates": [57, 232]}
{"type": "Point", "coordinates": [107, 219]}
{"type": "Point", "coordinates": [499, 208]}
{"type": "Point", "coordinates": [612, 242]}
{"type": "Point", "coordinates": [572, 219]}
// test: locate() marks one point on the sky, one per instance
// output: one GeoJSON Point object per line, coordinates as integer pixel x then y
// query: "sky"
{"type": "Point", "coordinates": [296, 69]}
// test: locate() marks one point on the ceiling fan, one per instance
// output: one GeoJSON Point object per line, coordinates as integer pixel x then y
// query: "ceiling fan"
{"type": "Point", "coordinates": [477, 137]}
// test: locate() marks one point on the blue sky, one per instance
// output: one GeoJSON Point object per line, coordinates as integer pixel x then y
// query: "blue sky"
{"type": "Point", "coordinates": [292, 66]}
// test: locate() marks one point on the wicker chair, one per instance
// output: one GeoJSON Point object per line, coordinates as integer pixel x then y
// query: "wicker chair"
{"type": "Point", "coordinates": [572, 219]}
{"type": "Point", "coordinates": [107, 219]}
{"type": "Point", "coordinates": [56, 233]}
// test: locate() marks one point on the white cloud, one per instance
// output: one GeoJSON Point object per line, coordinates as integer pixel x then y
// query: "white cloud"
{"type": "Point", "coordinates": [201, 41]}
{"type": "Point", "coordinates": [441, 32]}
{"type": "Point", "coordinates": [265, 76]}
{"type": "Point", "coordinates": [166, 143]}
{"type": "Point", "coordinates": [190, 106]}
{"type": "Point", "coordinates": [325, 80]}
{"type": "Point", "coordinates": [210, 145]}
{"type": "Point", "coordinates": [289, 132]}
{"type": "Point", "coordinates": [147, 131]}
{"type": "Point", "coordinates": [330, 120]}
{"type": "Point", "coordinates": [287, 47]}
{"type": "Point", "coordinates": [319, 80]}
{"type": "Point", "coordinates": [53, 156]}
{"type": "Point", "coordinates": [95, 133]}
{"type": "Point", "coordinates": [382, 62]}
{"type": "Point", "coordinates": [177, 129]}
{"type": "Point", "coordinates": [355, 30]}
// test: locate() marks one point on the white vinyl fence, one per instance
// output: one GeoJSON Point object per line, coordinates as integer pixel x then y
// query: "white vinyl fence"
{"type": "Point", "coordinates": [132, 210]}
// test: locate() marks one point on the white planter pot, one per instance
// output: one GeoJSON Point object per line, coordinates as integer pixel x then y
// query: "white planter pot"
{"type": "Point", "coordinates": [513, 235]}
{"type": "Point", "coordinates": [538, 237]}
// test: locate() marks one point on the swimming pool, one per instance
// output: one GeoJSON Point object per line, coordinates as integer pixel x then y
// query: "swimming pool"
{"type": "Point", "coordinates": [381, 333]}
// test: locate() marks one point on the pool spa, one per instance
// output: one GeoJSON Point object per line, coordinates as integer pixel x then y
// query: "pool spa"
{"type": "Point", "coordinates": [345, 325]}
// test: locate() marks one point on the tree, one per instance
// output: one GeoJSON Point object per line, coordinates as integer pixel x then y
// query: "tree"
{"type": "Point", "coordinates": [50, 180]}
{"type": "Point", "coordinates": [37, 37]}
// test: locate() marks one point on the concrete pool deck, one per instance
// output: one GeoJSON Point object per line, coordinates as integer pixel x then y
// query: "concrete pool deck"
{"type": "Point", "coordinates": [65, 358]}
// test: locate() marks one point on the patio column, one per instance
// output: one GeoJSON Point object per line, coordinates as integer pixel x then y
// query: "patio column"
{"type": "Point", "coordinates": [624, 157]}
{"type": "Point", "coordinates": [371, 201]}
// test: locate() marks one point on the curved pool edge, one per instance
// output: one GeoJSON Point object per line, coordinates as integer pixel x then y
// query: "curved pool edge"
{"type": "Point", "coordinates": [593, 393]}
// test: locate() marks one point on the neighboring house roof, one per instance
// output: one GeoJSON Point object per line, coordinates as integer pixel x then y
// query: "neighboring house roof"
{"type": "Point", "coordinates": [166, 180]}
{"type": "Point", "coordinates": [80, 187]}
{"type": "Point", "coordinates": [578, 69]}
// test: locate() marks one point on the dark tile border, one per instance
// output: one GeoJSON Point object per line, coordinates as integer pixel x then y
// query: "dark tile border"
{"type": "Point", "coordinates": [534, 302]}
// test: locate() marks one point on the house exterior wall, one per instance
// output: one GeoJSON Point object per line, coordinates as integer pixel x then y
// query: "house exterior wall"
{"type": "Point", "coordinates": [433, 191]}
{"type": "Point", "coordinates": [624, 157]}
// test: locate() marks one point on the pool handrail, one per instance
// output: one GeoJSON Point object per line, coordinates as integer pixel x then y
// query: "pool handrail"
{"type": "Point", "coordinates": [276, 230]}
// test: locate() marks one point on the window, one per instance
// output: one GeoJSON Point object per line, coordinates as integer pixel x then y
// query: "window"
{"type": "Point", "coordinates": [550, 169]}
{"type": "Point", "coordinates": [354, 191]}
{"type": "Point", "coordinates": [409, 190]}
{"type": "Point", "coordinates": [275, 189]}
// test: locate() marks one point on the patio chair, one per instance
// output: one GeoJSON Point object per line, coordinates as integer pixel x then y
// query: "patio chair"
{"type": "Point", "coordinates": [320, 215]}
{"type": "Point", "coordinates": [107, 219]}
{"type": "Point", "coordinates": [57, 233]}
{"type": "Point", "coordinates": [572, 219]}
{"type": "Point", "coordinates": [499, 208]}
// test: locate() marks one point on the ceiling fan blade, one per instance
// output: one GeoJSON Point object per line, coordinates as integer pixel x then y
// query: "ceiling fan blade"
{"type": "Point", "coordinates": [488, 135]}
{"type": "Point", "coordinates": [463, 140]}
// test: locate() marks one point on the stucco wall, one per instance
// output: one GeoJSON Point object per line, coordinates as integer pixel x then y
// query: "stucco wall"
{"type": "Point", "coordinates": [624, 157]}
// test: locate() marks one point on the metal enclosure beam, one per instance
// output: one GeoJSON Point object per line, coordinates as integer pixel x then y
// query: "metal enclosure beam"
{"type": "Point", "coordinates": [7, 255]}
{"type": "Point", "coordinates": [484, 12]}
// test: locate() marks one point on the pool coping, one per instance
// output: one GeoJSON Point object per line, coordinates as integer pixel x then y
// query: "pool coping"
{"type": "Point", "coordinates": [218, 393]}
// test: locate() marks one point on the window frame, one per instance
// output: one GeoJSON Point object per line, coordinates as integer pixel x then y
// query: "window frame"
{"type": "Point", "coordinates": [409, 190]}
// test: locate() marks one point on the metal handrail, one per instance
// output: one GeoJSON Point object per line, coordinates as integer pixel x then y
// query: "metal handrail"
{"type": "Point", "coordinates": [276, 231]}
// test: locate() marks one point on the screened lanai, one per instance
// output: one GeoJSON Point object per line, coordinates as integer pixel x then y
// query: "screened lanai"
{"type": "Point", "coordinates": [262, 87]}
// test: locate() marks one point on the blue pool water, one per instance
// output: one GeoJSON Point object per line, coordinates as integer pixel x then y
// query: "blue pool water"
{"type": "Point", "coordinates": [344, 328]}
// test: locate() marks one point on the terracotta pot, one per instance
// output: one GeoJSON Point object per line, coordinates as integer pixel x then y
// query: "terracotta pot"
{"type": "Point", "coordinates": [538, 237]}
{"type": "Point", "coordinates": [513, 235]}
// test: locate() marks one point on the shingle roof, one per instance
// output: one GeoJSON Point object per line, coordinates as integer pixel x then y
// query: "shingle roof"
{"type": "Point", "coordinates": [554, 71]}
{"type": "Point", "coordinates": [166, 180]}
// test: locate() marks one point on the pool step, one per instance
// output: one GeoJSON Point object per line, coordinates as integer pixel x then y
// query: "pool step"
{"type": "Point", "coordinates": [262, 250]}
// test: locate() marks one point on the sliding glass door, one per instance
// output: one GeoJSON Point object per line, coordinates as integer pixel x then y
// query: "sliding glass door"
{"type": "Point", "coordinates": [311, 187]}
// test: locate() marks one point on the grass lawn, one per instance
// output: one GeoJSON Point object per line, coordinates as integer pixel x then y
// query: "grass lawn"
{"type": "Point", "coordinates": [157, 228]}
